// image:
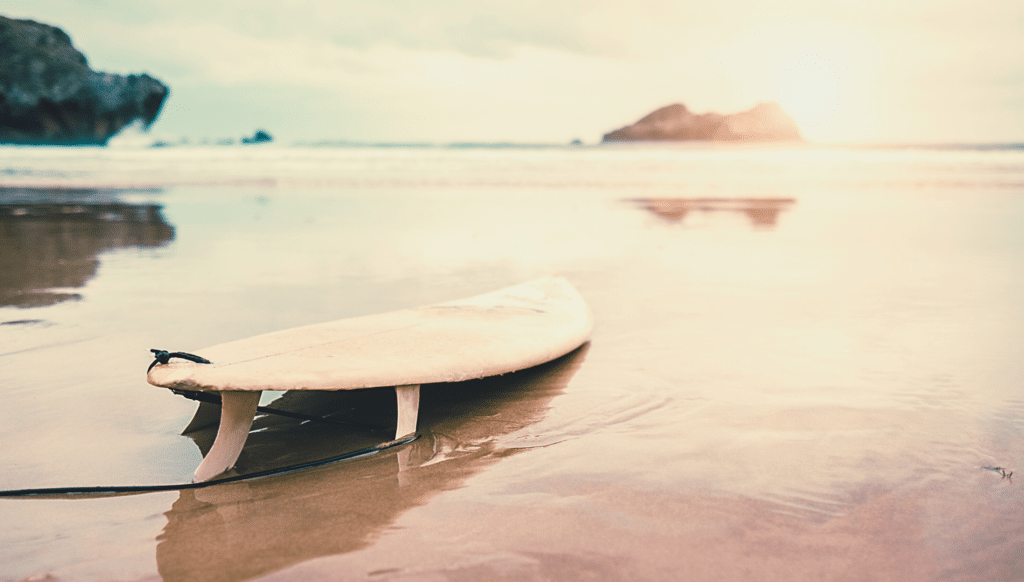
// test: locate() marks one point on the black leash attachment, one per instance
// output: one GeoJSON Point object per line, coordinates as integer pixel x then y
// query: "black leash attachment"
{"type": "Point", "coordinates": [163, 356]}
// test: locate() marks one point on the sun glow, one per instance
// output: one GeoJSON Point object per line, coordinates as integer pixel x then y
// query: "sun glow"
{"type": "Point", "coordinates": [810, 89]}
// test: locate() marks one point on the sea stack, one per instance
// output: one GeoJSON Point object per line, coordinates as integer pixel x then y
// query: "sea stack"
{"type": "Point", "coordinates": [765, 122]}
{"type": "Point", "coordinates": [50, 96]}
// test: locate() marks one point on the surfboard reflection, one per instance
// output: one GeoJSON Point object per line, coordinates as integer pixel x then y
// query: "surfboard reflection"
{"type": "Point", "coordinates": [762, 212]}
{"type": "Point", "coordinates": [51, 239]}
{"type": "Point", "coordinates": [242, 530]}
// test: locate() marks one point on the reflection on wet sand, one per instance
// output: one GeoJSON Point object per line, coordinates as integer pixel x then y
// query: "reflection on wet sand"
{"type": "Point", "coordinates": [51, 239]}
{"type": "Point", "coordinates": [242, 530]}
{"type": "Point", "coordinates": [762, 212]}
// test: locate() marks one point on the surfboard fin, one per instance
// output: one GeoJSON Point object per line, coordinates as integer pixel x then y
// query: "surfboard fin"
{"type": "Point", "coordinates": [237, 411]}
{"type": "Point", "coordinates": [408, 409]}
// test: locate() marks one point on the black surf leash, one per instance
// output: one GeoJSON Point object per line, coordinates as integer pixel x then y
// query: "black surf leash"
{"type": "Point", "coordinates": [162, 357]}
{"type": "Point", "coordinates": [102, 491]}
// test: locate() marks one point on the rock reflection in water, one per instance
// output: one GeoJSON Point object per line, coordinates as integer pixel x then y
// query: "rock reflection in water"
{"type": "Point", "coordinates": [762, 212]}
{"type": "Point", "coordinates": [242, 530]}
{"type": "Point", "coordinates": [51, 240]}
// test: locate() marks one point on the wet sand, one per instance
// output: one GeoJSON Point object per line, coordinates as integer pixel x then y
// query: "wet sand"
{"type": "Point", "coordinates": [802, 362]}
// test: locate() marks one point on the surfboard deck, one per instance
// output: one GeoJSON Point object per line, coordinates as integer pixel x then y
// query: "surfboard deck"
{"type": "Point", "coordinates": [495, 333]}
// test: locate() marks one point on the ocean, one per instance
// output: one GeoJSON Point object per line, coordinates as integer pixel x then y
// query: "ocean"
{"type": "Point", "coordinates": [806, 362]}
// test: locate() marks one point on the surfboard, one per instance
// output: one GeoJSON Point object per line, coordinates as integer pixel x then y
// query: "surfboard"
{"type": "Point", "coordinates": [495, 333]}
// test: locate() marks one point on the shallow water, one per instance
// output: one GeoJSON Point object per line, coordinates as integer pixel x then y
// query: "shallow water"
{"type": "Point", "coordinates": [803, 358]}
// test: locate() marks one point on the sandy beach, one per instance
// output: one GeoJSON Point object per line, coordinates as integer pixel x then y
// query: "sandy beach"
{"type": "Point", "coordinates": [805, 363]}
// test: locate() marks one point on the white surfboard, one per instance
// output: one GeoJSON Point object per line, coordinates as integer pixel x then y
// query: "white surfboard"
{"type": "Point", "coordinates": [495, 333]}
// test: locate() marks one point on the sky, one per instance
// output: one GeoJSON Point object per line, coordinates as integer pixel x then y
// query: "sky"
{"type": "Point", "coordinates": [551, 71]}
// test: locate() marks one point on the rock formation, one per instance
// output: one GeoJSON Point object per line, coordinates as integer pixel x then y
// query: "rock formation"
{"type": "Point", "coordinates": [765, 122]}
{"type": "Point", "coordinates": [50, 96]}
{"type": "Point", "coordinates": [259, 137]}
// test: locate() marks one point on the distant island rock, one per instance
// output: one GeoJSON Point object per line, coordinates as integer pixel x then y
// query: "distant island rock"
{"type": "Point", "coordinates": [50, 96]}
{"type": "Point", "coordinates": [260, 136]}
{"type": "Point", "coordinates": [765, 122]}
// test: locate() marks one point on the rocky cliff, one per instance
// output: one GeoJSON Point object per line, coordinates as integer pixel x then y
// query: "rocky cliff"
{"type": "Point", "coordinates": [50, 96]}
{"type": "Point", "coordinates": [765, 122]}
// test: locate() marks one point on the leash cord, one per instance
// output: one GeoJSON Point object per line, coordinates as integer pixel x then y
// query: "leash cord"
{"type": "Point", "coordinates": [136, 489]}
{"type": "Point", "coordinates": [162, 357]}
